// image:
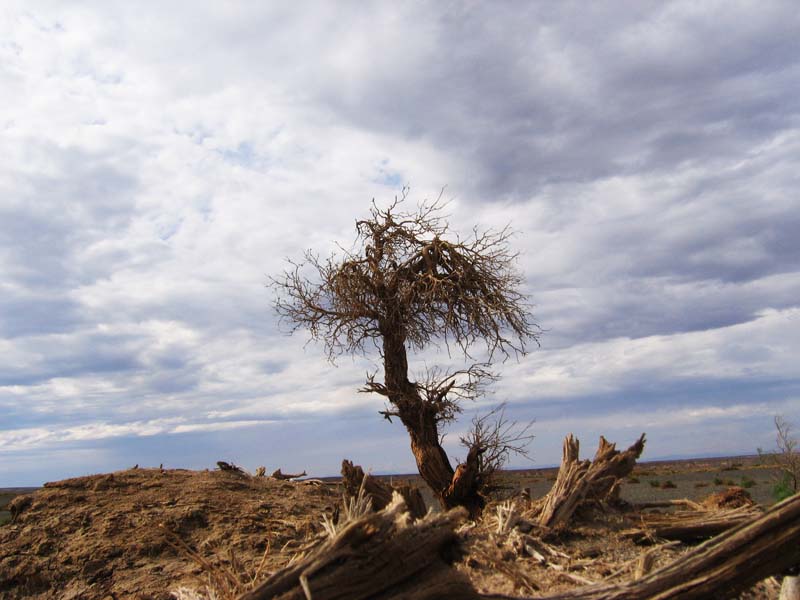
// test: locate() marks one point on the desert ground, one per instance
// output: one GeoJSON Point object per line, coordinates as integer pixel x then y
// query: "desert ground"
{"type": "Point", "coordinates": [150, 533]}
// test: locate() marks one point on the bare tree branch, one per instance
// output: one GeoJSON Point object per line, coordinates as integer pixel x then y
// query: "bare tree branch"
{"type": "Point", "coordinates": [496, 437]}
{"type": "Point", "coordinates": [403, 270]}
{"type": "Point", "coordinates": [787, 457]}
{"type": "Point", "coordinates": [407, 282]}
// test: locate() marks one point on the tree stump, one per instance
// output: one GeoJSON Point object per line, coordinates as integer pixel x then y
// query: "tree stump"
{"type": "Point", "coordinates": [353, 477]}
{"type": "Point", "coordinates": [581, 480]}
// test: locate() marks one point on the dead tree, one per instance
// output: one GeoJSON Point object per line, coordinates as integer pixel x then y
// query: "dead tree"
{"type": "Point", "coordinates": [578, 480]}
{"type": "Point", "coordinates": [409, 282]}
{"type": "Point", "coordinates": [786, 458]}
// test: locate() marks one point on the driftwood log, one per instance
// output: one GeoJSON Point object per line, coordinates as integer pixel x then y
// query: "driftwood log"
{"type": "Point", "coordinates": [578, 480]}
{"type": "Point", "coordinates": [284, 476]}
{"type": "Point", "coordinates": [353, 477]}
{"type": "Point", "coordinates": [228, 467]}
{"type": "Point", "coordinates": [379, 556]}
{"type": "Point", "coordinates": [689, 526]}
{"type": "Point", "coordinates": [719, 568]}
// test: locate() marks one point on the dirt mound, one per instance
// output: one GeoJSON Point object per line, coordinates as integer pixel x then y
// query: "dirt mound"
{"type": "Point", "coordinates": [113, 536]}
{"type": "Point", "coordinates": [733, 497]}
{"type": "Point", "coordinates": [107, 536]}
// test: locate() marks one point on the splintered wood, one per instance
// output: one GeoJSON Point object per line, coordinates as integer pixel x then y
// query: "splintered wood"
{"type": "Point", "coordinates": [578, 480]}
{"type": "Point", "coordinates": [353, 478]}
{"type": "Point", "coordinates": [386, 556]}
{"type": "Point", "coordinates": [691, 525]}
{"type": "Point", "coordinates": [719, 568]}
{"type": "Point", "coordinates": [381, 555]}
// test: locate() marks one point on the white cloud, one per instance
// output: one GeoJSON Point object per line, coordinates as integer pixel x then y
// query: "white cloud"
{"type": "Point", "coordinates": [161, 161]}
{"type": "Point", "coordinates": [41, 437]}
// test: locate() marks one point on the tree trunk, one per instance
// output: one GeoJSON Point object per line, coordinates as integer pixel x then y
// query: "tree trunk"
{"type": "Point", "coordinates": [453, 488]}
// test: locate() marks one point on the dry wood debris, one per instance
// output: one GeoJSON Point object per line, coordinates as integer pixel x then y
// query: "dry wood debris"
{"type": "Point", "coordinates": [578, 481]}
{"type": "Point", "coordinates": [380, 494]}
{"type": "Point", "coordinates": [278, 474]}
{"type": "Point", "coordinates": [689, 525]}
{"type": "Point", "coordinates": [229, 467]}
{"type": "Point", "coordinates": [380, 555]}
{"type": "Point", "coordinates": [384, 555]}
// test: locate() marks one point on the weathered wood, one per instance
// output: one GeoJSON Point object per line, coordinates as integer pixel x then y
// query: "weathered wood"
{"type": "Point", "coordinates": [353, 478]}
{"type": "Point", "coordinates": [278, 474]}
{"type": "Point", "coordinates": [719, 568]}
{"type": "Point", "coordinates": [414, 500]}
{"type": "Point", "coordinates": [578, 480]}
{"type": "Point", "coordinates": [685, 502]}
{"type": "Point", "coordinates": [689, 526]}
{"type": "Point", "coordinates": [224, 466]}
{"type": "Point", "coordinates": [380, 556]}
{"type": "Point", "coordinates": [380, 493]}
{"type": "Point", "coordinates": [790, 588]}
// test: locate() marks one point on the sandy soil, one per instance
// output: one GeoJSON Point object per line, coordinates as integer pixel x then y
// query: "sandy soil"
{"type": "Point", "coordinates": [93, 536]}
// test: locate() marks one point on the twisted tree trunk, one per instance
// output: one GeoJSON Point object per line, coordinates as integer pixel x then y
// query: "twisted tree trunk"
{"type": "Point", "coordinates": [452, 487]}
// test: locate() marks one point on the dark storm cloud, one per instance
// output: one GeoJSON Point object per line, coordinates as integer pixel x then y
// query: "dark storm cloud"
{"type": "Point", "coordinates": [535, 94]}
{"type": "Point", "coordinates": [640, 396]}
{"type": "Point", "coordinates": [28, 314]}
{"type": "Point", "coordinates": [638, 308]}
{"type": "Point", "coordinates": [55, 214]}
{"type": "Point", "coordinates": [72, 356]}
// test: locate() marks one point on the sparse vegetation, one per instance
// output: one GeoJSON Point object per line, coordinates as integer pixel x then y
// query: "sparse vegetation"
{"type": "Point", "coordinates": [783, 489]}
{"type": "Point", "coordinates": [668, 484]}
{"type": "Point", "coordinates": [786, 458]}
{"type": "Point", "coordinates": [655, 483]}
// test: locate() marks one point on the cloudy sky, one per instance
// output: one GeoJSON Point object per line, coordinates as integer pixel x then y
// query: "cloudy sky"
{"type": "Point", "coordinates": [161, 160]}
